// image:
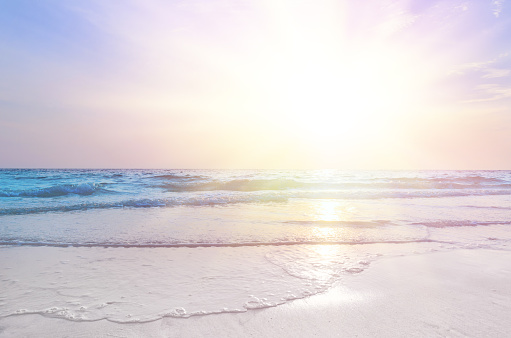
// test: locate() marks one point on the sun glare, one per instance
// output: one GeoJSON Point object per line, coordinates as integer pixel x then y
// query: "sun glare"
{"type": "Point", "coordinates": [330, 92]}
{"type": "Point", "coordinates": [327, 211]}
{"type": "Point", "coordinates": [319, 89]}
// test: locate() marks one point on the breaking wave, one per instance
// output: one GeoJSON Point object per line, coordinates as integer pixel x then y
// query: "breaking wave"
{"type": "Point", "coordinates": [185, 177]}
{"type": "Point", "coordinates": [241, 185]}
{"type": "Point", "coordinates": [229, 198]}
{"type": "Point", "coordinates": [472, 182]}
{"type": "Point", "coordinates": [83, 189]}
{"type": "Point", "coordinates": [36, 191]}
{"type": "Point", "coordinates": [212, 245]}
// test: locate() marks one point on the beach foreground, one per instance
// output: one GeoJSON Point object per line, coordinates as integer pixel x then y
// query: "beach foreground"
{"type": "Point", "coordinates": [455, 293]}
{"type": "Point", "coordinates": [267, 253]}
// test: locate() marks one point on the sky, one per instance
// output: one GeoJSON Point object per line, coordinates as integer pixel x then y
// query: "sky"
{"type": "Point", "coordinates": [283, 84]}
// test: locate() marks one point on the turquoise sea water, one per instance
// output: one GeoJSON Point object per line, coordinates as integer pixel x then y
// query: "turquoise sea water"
{"type": "Point", "coordinates": [77, 244]}
{"type": "Point", "coordinates": [283, 203]}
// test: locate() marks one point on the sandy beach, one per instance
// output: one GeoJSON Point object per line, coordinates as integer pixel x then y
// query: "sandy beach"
{"type": "Point", "coordinates": [163, 253]}
{"type": "Point", "coordinates": [460, 293]}
{"type": "Point", "coordinates": [225, 168]}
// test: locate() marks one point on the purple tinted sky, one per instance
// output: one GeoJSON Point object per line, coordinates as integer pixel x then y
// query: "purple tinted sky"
{"type": "Point", "coordinates": [256, 84]}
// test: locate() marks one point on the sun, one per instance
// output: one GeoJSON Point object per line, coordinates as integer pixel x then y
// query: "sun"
{"type": "Point", "coordinates": [321, 97]}
{"type": "Point", "coordinates": [326, 101]}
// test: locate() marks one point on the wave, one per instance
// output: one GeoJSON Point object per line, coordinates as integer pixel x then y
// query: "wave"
{"type": "Point", "coordinates": [252, 197]}
{"type": "Point", "coordinates": [378, 223]}
{"type": "Point", "coordinates": [461, 223]}
{"type": "Point", "coordinates": [355, 224]}
{"type": "Point", "coordinates": [83, 189]}
{"type": "Point", "coordinates": [185, 177]}
{"type": "Point", "coordinates": [478, 179]}
{"type": "Point", "coordinates": [487, 207]}
{"type": "Point", "coordinates": [31, 177]}
{"type": "Point", "coordinates": [143, 203]}
{"type": "Point", "coordinates": [240, 185]}
{"type": "Point", "coordinates": [464, 182]}
{"type": "Point", "coordinates": [470, 179]}
{"type": "Point", "coordinates": [196, 181]}
{"type": "Point", "coordinates": [192, 184]}
{"type": "Point", "coordinates": [65, 313]}
{"type": "Point", "coordinates": [212, 245]}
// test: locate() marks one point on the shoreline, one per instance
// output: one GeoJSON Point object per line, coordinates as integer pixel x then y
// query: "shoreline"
{"type": "Point", "coordinates": [463, 292]}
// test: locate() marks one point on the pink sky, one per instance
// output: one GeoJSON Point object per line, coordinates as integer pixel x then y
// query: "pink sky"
{"type": "Point", "coordinates": [256, 84]}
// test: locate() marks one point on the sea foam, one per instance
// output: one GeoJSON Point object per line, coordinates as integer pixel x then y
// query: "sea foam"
{"type": "Point", "coordinates": [133, 246]}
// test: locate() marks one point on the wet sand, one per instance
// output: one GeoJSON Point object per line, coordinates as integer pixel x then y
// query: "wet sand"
{"type": "Point", "coordinates": [458, 293]}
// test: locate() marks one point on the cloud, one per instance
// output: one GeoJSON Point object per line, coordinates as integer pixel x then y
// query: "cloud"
{"type": "Point", "coordinates": [496, 73]}
{"type": "Point", "coordinates": [397, 22]}
{"type": "Point", "coordinates": [485, 67]}
{"type": "Point", "coordinates": [485, 80]}
{"type": "Point", "coordinates": [471, 67]}
{"type": "Point", "coordinates": [497, 5]}
{"type": "Point", "coordinates": [493, 92]}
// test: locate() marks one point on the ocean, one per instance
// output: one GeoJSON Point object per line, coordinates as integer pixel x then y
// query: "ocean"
{"type": "Point", "coordinates": [141, 245]}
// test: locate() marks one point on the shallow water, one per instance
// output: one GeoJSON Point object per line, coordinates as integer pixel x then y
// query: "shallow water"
{"type": "Point", "coordinates": [139, 245]}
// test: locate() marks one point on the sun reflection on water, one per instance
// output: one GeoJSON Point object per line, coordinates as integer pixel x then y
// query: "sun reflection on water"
{"type": "Point", "coordinates": [331, 219]}
{"type": "Point", "coordinates": [327, 211]}
{"type": "Point", "coordinates": [326, 251]}
{"type": "Point", "coordinates": [323, 232]}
